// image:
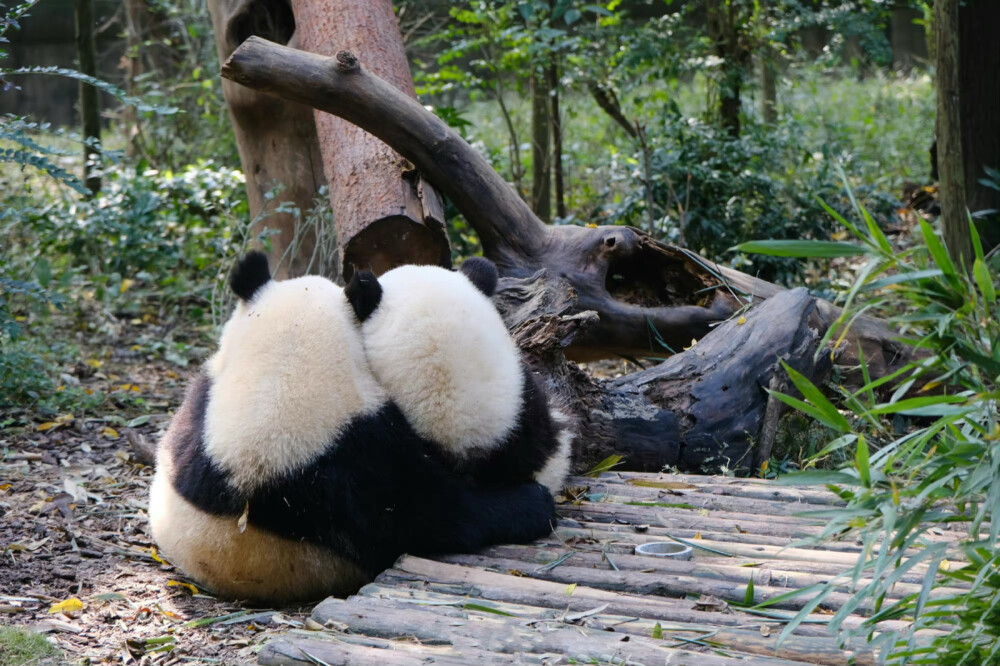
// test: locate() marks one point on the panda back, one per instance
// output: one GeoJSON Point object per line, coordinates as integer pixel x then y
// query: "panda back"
{"type": "Point", "coordinates": [440, 349]}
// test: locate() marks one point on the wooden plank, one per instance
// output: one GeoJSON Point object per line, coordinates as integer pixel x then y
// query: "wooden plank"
{"type": "Point", "coordinates": [337, 648]}
{"type": "Point", "coordinates": [659, 584]}
{"type": "Point", "coordinates": [758, 638]}
{"type": "Point", "coordinates": [824, 569]}
{"type": "Point", "coordinates": [704, 520]}
{"type": "Point", "coordinates": [513, 636]}
{"type": "Point", "coordinates": [462, 581]}
{"type": "Point", "coordinates": [733, 487]}
{"type": "Point", "coordinates": [707, 534]}
{"type": "Point", "coordinates": [763, 572]}
{"type": "Point", "coordinates": [625, 542]}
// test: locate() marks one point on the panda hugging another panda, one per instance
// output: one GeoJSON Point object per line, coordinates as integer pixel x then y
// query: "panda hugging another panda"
{"type": "Point", "coordinates": [335, 430]}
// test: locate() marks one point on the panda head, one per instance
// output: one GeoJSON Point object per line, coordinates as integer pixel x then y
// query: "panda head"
{"type": "Point", "coordinates": [365, 293]}
{"type": "Point", "coordinates": [288, 375]}
{"type": "Point", "coordinates": [438, 346]}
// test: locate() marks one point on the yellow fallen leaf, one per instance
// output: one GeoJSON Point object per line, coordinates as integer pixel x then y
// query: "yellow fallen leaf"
{"type": "Point", "coordinates": [135, 347]}
{"type": "Point", "coordinates": [68, 606]}
{"type": "Point", "coordinates": [61, 387]}
{"type": "Point", "coordinates": [126, 283]}
{"type": "Point", "coordinates": [93, 362]}
{"type": "Point", "coordinates": [22, 318]}
{"type": "Point", "coordinates": [110, 432]}
{"type": "Point", "coordinates": [570, 589]}
{"type": "Point", "coordinates": [178, 583]}
{"type": "Point", "coordinates": [694, 341]}
{"type": "Point", "coordinates": [5, 486]}
{"type": "Point", "coordinates": [48, 425]}
{"type": "Point", "coordinates": [764, 465]}
{"type": "Point", "coordinates": [152, 553]}
{"type": "Point", "coordinates": [697, 536]}
{"type": "Point", "coordinates": [741, 321]}
{"type": "Point", "coordinates": [172, 374]}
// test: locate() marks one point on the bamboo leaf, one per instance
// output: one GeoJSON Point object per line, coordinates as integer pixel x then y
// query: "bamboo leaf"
{"type": "Point", "coordinates": [801, 248]}
{"type": "Point", "coordinates": [861, 461]}
{"type": "Point", "coordinates": [984, 281]}
{"type": "Point", "coordinates": [605, 465]}
{"type": "Point", "coordinates": [938, 251]}
{"type": "Point", "coordinates": [832, 417]}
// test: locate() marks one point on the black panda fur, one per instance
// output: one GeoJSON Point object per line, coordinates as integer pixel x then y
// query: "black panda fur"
{"type": "Point", "coordinates": [326, 522]}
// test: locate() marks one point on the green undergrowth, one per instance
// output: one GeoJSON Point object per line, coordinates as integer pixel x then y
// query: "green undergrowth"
{"type": "Point", "coordinates": [20, 647]}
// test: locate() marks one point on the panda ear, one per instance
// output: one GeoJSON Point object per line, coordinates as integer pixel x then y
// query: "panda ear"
{"type": "Point", "coordinates": [482, 273]}
{"type": "Point", "coordinates": [249, 275]}
{"type": "Point", "coordinates": [364, 293]}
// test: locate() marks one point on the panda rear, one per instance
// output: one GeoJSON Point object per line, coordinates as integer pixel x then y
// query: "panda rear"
{"type": "Point", "coordinates": [287, 427]}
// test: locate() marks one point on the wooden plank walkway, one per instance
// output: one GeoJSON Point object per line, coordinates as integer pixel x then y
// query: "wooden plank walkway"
{"type": "Point", "coordinates": [583, 596]}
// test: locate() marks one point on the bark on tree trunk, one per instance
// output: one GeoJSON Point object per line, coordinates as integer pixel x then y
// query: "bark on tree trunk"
{"type": "Point", "coordinates": [979, 102]}
{"type": "Point", "coordinates": [90, 113]}
{"type": "Point", "coordinates": [724, 27]}
{"type": "Point", "coordinates": [591, 291]}
{"type": "Point", "coordinates": [276, 138]}
{"type": "Point", "coordinates": [384, 212]}
{"type": "Point", "coordinates": [557, 148]}
{"type": "Point", "coordinates": [135, 11]}
{"type": "Point", "coordinates": [541, 154]}
{"type": "Point", "coordinates": [768, 89]}
{"type": "Point", "coordinates": [954, 220]}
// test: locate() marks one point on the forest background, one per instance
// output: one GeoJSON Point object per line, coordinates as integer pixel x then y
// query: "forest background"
{"type": "Point", "coordinates": [706, 123]}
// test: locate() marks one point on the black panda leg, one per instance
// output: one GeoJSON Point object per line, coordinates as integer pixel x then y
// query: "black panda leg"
{"type": "Point", "coordinates": [479, 518]}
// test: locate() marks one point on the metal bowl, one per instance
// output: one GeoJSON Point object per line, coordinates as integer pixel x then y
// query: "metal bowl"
{"type": "Point", "coordinates": [677, 551]}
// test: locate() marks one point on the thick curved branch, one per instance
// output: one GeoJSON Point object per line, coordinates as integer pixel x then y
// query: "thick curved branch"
{"type": "Point", "coordinates": [643, 291]}
{"type": "Point", "coordinates": [341, 86]}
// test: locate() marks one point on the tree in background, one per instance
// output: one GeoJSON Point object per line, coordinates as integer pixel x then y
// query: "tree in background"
{"type": "Point", "coordinates": [90, 117]}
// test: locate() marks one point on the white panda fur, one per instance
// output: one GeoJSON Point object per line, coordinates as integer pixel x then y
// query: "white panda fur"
{"type": "Point", "coordinates": [287, 424]}
{"type": "Point", "coordinates": [440, 349]}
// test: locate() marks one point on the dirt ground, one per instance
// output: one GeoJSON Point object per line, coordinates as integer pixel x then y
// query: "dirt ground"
{"type": "Point", "coordinates": [73, 526]}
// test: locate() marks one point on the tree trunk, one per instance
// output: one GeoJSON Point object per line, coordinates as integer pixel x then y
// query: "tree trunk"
{"type": "Point", "coordinates": [954, 219]}
{"type": "Point", "coordinates": [385, 214]}
{"type": "Point", "coordinates": [725, 30]}
{"type": "Point", "coordinates": [557, 147]}
{"type": "Point", "coordinates": [768, 89]}
{"type": "Point", "coordinates": [541, 154]}
{"type": "Point", "coordinates": [90, 113]}
{"type": "Point", "coordinates": [979, 102]}
{"type": "Point", "coordinates": [135, 11]}
{"type": "Point", "coordinates": [594, 291]}
{"type": "Point", "coordinates": [277, 141]}
{"type": "Point", "coordinates": [908, 38]}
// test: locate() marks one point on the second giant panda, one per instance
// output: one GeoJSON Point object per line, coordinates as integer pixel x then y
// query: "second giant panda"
{"type": "Point", "coordinates": [438, 346]}
{"type": "Point", "coordinates": [288, 474]}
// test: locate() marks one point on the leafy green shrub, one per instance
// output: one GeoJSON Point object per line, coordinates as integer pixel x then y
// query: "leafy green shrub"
{"type": "Point", "coordinates": [941, 467]}
{"type": "Point", "coordinates": [710, 190]}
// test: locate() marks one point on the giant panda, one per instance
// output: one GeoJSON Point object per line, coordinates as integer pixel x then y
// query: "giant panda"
{"type": "Point", "coordinates": [287, 474]}
{"type": "Point", "coordinates": [438, 346]}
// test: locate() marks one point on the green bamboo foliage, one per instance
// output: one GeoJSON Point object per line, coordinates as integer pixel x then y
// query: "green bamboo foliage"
{"type": "Point", "coordinates": [926, 443]}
